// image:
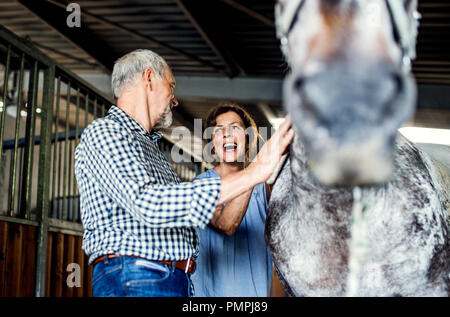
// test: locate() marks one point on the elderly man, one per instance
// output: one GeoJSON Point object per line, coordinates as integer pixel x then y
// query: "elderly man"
{"type": "Point", "coordinates": [139, 220]}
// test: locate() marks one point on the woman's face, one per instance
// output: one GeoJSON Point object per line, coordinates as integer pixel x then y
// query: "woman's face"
{"type": "Point", "coordinates": [229, 138]}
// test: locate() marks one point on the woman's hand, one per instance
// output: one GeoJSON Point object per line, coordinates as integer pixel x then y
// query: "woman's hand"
{"type": "Point", "coordinates": [235, 184]}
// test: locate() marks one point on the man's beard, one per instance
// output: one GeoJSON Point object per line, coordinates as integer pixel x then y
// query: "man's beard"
{"type": "Point", "coordinates": [165, 119]}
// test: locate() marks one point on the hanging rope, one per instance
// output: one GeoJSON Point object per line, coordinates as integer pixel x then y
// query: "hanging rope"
{"type": "Point", "coordinates": [359, 243]}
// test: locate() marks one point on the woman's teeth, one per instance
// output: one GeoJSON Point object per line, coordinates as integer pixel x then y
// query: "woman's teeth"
{"type": "Point", "coordinates": [230, 146]}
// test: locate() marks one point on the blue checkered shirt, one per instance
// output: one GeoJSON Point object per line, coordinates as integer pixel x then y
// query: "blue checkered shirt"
{"type": "Point", "coordinates": [132, 201]}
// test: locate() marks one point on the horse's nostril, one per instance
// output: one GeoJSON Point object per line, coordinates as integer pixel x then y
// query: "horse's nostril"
{"type": "Point", "coordinates": [391, 105]}
{"type": "Point", "coordinates": [349, 175]}
{"type": "Point", "coordinates": [398, 82]}
{"type": "Point", "coordinates": [298, 83]}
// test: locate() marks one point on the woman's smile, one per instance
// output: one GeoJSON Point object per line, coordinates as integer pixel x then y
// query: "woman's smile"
{"type": "Point", "coordinates": [230, 147]}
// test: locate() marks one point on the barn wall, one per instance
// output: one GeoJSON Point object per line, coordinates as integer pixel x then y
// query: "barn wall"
{"type": "Point", "coordinates": [18, 262]}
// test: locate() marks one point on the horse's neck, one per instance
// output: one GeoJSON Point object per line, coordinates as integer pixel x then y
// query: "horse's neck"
{"type": "Point", "coordinates": [298, 159]}
{"type": "Point", "coordinates": [410, 162]}
{"type": "Point", "coordinates": [299, 166]}
{"type": "Point", "coordinates": [437, 159]}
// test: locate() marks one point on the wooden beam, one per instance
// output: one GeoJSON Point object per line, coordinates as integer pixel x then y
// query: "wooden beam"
{"type": "Point", "coordinates": [53, 50]}
{"type": "Point", "coordinates": [268, 114]}
{"type": "Point", "coordinates": [221, 38]}
{"type": "Point", "coordinates": [82, 38]}
{"type": "Point", "coordinates": [143, 37]}
{"type": "Point", "coordinates": [232, 67]}
{"type": "Point", "coordinates": [430, 69]}
{"type": "Point", "coordinates": [251, 13]}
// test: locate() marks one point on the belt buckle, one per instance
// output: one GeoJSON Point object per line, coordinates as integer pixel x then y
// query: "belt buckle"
{"type": "Point", "coordinates": [188, 263]}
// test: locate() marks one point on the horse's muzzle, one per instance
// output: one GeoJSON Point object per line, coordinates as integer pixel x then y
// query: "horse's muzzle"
{"type": "Point", "coordinates": [347, 117]}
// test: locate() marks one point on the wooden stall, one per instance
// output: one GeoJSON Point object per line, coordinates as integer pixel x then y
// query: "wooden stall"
{"type": "Point", "coordinates": [18, 262]}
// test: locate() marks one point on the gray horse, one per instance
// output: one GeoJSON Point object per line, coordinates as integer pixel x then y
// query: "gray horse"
{"type": "Point", "coordinates": [348, 92]}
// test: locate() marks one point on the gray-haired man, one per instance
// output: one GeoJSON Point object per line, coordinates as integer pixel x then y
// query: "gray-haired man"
{"type": "Point", "coordinates": [139, 220]}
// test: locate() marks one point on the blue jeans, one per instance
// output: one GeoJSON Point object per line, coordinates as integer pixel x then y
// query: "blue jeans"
{"type": "Point", "coordinates": [138, 277]}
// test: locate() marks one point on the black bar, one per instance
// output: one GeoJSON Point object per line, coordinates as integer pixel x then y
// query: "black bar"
{"type": "Point", "coordinates": [9, 144]}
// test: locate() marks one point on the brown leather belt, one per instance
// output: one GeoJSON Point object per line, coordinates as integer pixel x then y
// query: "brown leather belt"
{"type": "Point", "coordinates": [187, 266]}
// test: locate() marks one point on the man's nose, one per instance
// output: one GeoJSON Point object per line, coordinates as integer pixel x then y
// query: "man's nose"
{"type": "Point", "coordinates": [174, 101]}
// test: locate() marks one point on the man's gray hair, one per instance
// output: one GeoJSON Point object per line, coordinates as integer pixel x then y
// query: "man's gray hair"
{"type": "Point", "coordinates": [130, 67]}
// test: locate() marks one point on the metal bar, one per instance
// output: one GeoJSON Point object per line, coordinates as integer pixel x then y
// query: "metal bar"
{"type": "Point", "coordinates": [19, 179]}
{"type": "Point", "coordinates": [25, 202]}
{"type": "Point", "coordinates": [11, 161]}
{"type": "Point", "coordinates": [76, 143]}
{"type": "Point", "coordinates": [66, 227]}
{"type": "Point", "coordinates": [3, 108]}
{"type": "Point", "coordinates": [58, 96]}
{"type": "Point", "coordinates": [86, 111]}
{"type": "Point", "coordinates": [61, 136]}
{"type": "Point", "coordinates": [69, 179]}
{"type": "Point", "coordinates": [19, 221]}
{"type": "Point", "coordinates": [12, 183]}
{"type": "Point", "coordinates": [44, 178]}
{"type": "Point", "coordinates": [95, 108]}
{"type": "Point", "coordinates": [240, 88]}
{"type": "Point", "coordinates": [59, 178]}
{"type": "Point", "coordinates": [197, 168]}
{"type": "Point", "coordinates": [83, 84]}
{"type": "Point", "coordinates": [66, 144]}
{"type": "Point", "coordinates": [23, 46]}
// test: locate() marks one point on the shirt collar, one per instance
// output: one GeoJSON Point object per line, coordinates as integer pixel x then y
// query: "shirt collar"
{"type": "Point", "coordinates": [132, 124]}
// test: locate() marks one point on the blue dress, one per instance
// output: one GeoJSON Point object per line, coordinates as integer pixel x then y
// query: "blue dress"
{"type": "Point", "coordinates": [236, 266]}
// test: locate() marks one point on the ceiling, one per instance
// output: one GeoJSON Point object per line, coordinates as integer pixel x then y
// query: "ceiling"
{"type": "Point", "coordinates": [215, 38]}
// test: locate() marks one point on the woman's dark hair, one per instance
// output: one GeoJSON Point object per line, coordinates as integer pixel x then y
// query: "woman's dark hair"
{"type": "Point", "coordinates": [251, 135]}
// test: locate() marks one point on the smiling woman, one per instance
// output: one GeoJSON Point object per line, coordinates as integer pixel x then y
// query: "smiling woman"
{"type": "Point", "coordinates": [230, 124]}
{"type": "Point", "coordinates": [234, 262]}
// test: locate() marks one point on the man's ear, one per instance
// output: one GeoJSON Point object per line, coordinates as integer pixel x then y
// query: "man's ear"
{"type": "Point", "coordinates": [147, 76]}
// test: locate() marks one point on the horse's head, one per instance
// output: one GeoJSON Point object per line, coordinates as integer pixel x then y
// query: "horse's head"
{"type": "Point", "coordinates": [349, 88]}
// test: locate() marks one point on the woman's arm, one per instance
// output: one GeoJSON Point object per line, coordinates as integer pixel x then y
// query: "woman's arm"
{"type": "Point", "coordinates": [228, 218]}
{"type": "Point", "coordinates": [268, 192]}
{"type": "Point", "coordinates": [241, 183]}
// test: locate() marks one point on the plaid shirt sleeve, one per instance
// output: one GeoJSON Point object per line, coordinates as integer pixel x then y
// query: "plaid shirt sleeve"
{"type": "Point", "coordinates": [117, 166]}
